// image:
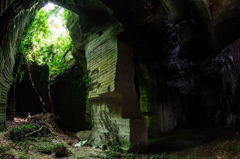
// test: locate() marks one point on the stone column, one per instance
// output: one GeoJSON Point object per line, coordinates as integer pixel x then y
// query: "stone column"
{"type": "Point", "coordinates": [115, 113]}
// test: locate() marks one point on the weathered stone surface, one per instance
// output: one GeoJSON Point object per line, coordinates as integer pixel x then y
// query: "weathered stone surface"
{"type": "Point", "coordinates": [112, 130]}
{"type": "Point", "coordinates": [76, 33]}
{"type": "Point", "coordinates": [200, 21]}
{"type": "Point", "coordinates": [69, 95]}
{"type": "Point", "coordinates": [84, 135]}
{"type": "Point", "coordinates": [32, 92]}
{"type": "Point", "coordinates": [4, 5]}
{"type": "Point", "coordinates": [112, 79]}
{"type": "Point", "coordinates": [124, 81]}
{"type": "Point", "coordinates": [148, 98]}
{"type": "Point", "coordinates": [138, 13]}
{"type": "Point", "coordinates": [109, 127]}
{"type": "Point", "coordinates": [217, 20]}
{"type": "Point", "coordinates": [221, 92]}
{"type": "Point", "coordinates": [101, 55]}
{"type": "Point", "coordinates": [13, 23]}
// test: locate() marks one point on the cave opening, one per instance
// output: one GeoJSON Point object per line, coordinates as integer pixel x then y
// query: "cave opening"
{"type": "Point", "coordinates": [49, 74]}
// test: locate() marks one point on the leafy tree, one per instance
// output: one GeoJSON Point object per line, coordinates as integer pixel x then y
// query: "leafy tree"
{"type": "Point", "coordinates": [41, 45]}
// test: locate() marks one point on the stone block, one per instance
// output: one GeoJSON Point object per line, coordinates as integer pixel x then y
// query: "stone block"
{"type": "Point", "coordinates": [84, 135]}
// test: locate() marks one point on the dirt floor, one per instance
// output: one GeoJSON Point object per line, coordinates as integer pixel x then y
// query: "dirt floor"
{"type": "Point", "coordinates": [57, 136]}
{"type": "Point", "coordinates": [183, 143]}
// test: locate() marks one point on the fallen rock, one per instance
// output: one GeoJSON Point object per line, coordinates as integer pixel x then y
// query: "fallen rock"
{"type": "Point", "coordinates": [84, 135]}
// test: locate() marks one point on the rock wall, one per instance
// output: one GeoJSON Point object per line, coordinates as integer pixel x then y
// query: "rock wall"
{"type": "Point", "coordinates": [68, 92]}
{"type": "Point", "coordinates": [14, 21]}
{"type": "Point", "coordinates": [101, 55]}
{"type": "Point", "coordinates": [172, 43]}
{"type": "Point", "coordinates": [31, 94]}
{"type": "Point", "coordinates": [4, 5]}
{"type": "Point", "coordinates": [221, 91]}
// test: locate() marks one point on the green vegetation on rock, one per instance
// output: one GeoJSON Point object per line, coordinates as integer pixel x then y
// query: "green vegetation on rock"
{"type": "Point", "coordinates": [26, 132]}
{"type": "Point", "coordinates": [47, 42]}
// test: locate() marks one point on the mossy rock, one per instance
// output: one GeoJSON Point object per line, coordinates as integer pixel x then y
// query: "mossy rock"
{"type": "Point", "coordinates": [26, 131]}
{"type": "Point", "coordinates": [61, 150]}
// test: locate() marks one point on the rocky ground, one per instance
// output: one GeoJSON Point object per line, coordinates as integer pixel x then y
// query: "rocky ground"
{"type": "Point", "coordinates": [46, 140]}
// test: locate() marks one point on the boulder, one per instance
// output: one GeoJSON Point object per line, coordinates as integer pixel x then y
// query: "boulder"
{"type": "Point", "coordinates": [84, 135]}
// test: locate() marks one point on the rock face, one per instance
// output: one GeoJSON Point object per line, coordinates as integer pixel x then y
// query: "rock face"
{"type": "Point", "coordinates": [68, 92]}
{"type": "Point", "coordinates": [14, 20]}
{"type": "Point", "coordinates": [84, 135]}
{"type": "Point", "coordinates": [32, 92]}
{"type": "Point", "coordinates": [115, 113]}
{"type": "Point", "coordinates": [153, 65]}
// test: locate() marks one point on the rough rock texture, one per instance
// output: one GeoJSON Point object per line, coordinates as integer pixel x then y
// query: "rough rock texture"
{"type": "Point", "coordinates": [217, 20]}
{"type": "Point", "coordinates": [111, 73]}
{"type": "Point", "coordinates": [4, 5]}
{"type": "Point", "coordinates": [174, 63]}
{"type": "Point", "coordinates": [171, 46]}
{"type": "Point", "coordinates": [14, 21]}
{"type": "Point", "coordinates": [102, 56]}
{"type": "Point", "coordinates": [84, 135]}
{"type": "Point", "coordinates": [221, 92]}
{"type": "Point", "coordinates": [32, 92]}
{"type": "Point", "coordinates": [112, 90]}
{"type": "Point", "coordinates": [68, 92]}
{"type": "Point", "coordinates": [110, 129]}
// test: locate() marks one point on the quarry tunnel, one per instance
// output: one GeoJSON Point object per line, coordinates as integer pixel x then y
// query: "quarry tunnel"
{"type": "Point", "coordinates": [154, 65]}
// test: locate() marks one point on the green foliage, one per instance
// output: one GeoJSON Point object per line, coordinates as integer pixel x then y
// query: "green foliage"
{"type": "Point", "coordinates": [113, 155]}
{"type": "Point", "coordinates": [155, 156]}
{"type": "Point", "coordinates": [68, 18]}
{"type": "Point", "coordinates": [59, 144]}
{"type": "Point", "coordinates": [19, 133]}
{"type": "Point", "coordinates": [49, 148]}
{"type": "Point", "coordinates": [25, 132]}
{"type": "Point", "coordinates": [86, 79]}
{"type": "Point", "coordinates": [11, 81]}
{"type": "Point", "coordinates": [42, 45]}
{"type": "Point", "coordinates": [23, 157]}
{"type": "Point", "coordinates": [46, 148]}
{"type": "Point", "coordinates": [29, 137]}
{"type": "Point", "coordinates": [5, 153]}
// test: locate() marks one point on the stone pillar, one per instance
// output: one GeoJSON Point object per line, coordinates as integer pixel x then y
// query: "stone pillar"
{"type": "Point", "coordinates": [115, 112]}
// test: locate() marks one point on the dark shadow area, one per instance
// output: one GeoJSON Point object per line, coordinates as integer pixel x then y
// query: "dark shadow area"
{"type": "Point", "coordinates": [182, 139]}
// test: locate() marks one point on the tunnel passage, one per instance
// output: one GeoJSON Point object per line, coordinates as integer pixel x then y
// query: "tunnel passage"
{"type": "Point", "coordinates": [153, 63]}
